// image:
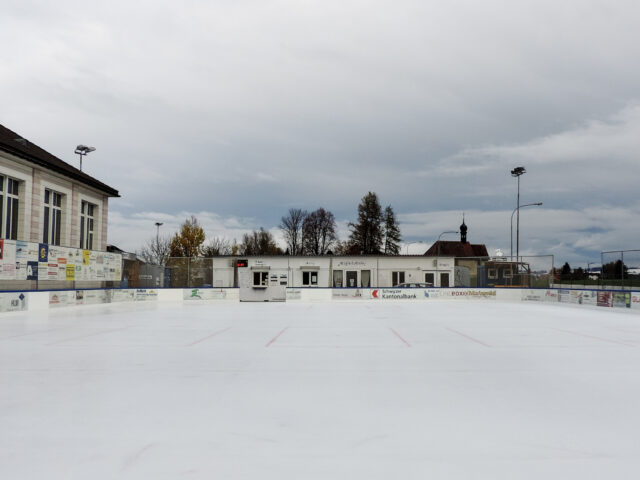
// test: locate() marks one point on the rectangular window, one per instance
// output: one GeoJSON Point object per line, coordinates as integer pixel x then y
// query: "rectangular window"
{"type": "Point", "coordinates": [52, 217]}
{"type": "Point", "coordinates": [87, 221]}
{"type": "Point", "coordinates": [309, 279]}
{"type": "Point", "coordinates": [397, 278]}
{"type": "Point", "coordinates": [260, 279]}
{"type": "Point", "coordinates": [365, 278]}
{"type": "Point", "coordinates": [337, 279]}
{"type": "Point", "coordinates": [492, 273]}
{"type": "Point", "coordinates": [429, 278]}
{"type": "Point", "coordinates": [9, 205]}
{"type": "Point", "coordinates": [352, 279]}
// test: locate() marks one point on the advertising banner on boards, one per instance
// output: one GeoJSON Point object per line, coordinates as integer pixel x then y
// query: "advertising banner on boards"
{"type": "Point", "coordinates": [14, 301]}
{"type": "Point", "coordinates": [204, 294]}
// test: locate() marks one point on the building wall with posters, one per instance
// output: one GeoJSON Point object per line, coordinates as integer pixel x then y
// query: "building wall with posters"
{"type": "Point", "coordinates": [44, 200]}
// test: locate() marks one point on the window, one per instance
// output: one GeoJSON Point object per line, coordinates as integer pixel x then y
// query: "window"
{"type": "Point", "coordinates": [352, 279]}
{"type": "Point", "coordinates": [87, 211]}
{"type": "Point", "coordinates": [309, 279]}
{"type": "Point", "coordinates": [260, 279]}
{"type": "Point", "coordinates": [365, 278]}
{"type": "Point", "coordinates": [337, 279]}
{"type": "Point", "coordinates": [492, 273]}
{"type": "Point", "coordinates": [9, 203]}
{"type": "Point", "coordinates": [444, 279]}
{"type": "Point", "coordinates": [506, 273]}
{"type": "Point", "coordinates": [429, 278]}
{"type": "Point", "coordinates": [52, 217]}
{"type": "Point", "coordinates": [397, 278]}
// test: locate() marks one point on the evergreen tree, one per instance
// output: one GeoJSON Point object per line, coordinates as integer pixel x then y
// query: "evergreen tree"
{"type": "Point", "coordinates": [392, 237]}
{"type": "Point", "coordinates": [367, 234]}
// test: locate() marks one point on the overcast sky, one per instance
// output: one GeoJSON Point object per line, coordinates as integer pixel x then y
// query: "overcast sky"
{"type": "Point", "coordinates": [237, 110]}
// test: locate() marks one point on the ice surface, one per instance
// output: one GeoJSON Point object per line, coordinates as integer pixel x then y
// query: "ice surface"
{"type": "Point", "coordinates": [430, 390]}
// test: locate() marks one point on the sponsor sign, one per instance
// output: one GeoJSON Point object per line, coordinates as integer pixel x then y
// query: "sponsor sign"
{"type": "Point", "coordinates": [589, 297]}
{"type": "Point", "coordinates": [349, 294]}
{"type": "Point", "coordinates": [62, 298]}
{"type": "Point", "coordinates": [622, 299]}
{"type": "Point", "coordinates": [564, 296]}
{"type": "Point", "coordinates": [123, 295]}
{"type": "Point", "coordinates": [605, 299]}
{"type": "Point", "coordinates": [472, 294]}
{"type": "Point", "coordinates": [70, 272]}
{"type": "Point", "coordinates": [86, 257]}
{"type": "Point", "coordinates": [397, 294]}
{"type": "Point", "coordinates": [43, 252]}
{"type": "Point", "coordinates": [13, 301]}
{"type": "Point", "coordinates": [204, 294]}
{"type": "Point", "coordinates": [533, 295]}
{"type": "Point", "coordinates": [143, 295]}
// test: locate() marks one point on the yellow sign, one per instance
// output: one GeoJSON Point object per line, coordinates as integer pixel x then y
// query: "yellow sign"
{"type": "Point", "coordinates": [71, 271]}
{"type": "Point", "coordinates": [86, 255]}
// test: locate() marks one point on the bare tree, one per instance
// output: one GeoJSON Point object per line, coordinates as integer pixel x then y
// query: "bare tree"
{"type": "Point", "coordinates": [318, 232]}
{"type": "Point", "coordinates": [291, 227]}
{"type": "Point", "coordinates": [216, 247]}
{"type": "Point", "coordinates": [156, 250]}
{"type": "Point", "coordinates": [259, 242]}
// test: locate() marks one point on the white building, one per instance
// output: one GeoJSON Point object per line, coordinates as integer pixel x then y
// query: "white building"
{"type": "Point", "coordinates": [45, 200]}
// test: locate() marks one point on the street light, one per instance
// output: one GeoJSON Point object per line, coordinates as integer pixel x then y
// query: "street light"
{"type": "Point", "coordinates": [83, 150]}
{"type": "Point", "coordinates": [517, 172]}
{"type": "Point", "coordinates": [158, 225]}
{"type": "Point", "coordinates": [411, 243]}
{"type": "Point", "coordinates": [438, 253]}
{"type": "Point", "coordinates": [514, 211]}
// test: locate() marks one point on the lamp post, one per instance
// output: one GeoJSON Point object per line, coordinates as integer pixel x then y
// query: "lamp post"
{"type": "Point", "coordinates": [411, 243]}
{"type": "Point", "coordinates": [83, 150]}
{"type": "Point", "coordinates": [438, 253]}
{"type": "Point", "coordinates": [158, 259]}
{"type": "Point", "coordinates": [537, 204]}
{"type": "Point", "coordinates": [518, 172]}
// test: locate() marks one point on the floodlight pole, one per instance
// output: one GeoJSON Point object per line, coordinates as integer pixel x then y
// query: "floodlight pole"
{"type": "Point", "coordinates": [537, 204]}
{"type": "Point", "coordinates": [518, 172]}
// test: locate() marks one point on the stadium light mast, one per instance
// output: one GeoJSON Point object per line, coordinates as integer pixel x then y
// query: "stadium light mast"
{"type": "Point", "coordinates": [537, 204]}
{"type": "Point", "coordinates": [158, 225]}
{"type": "Point", "coordinates": [518, 172]}
{"type": "Point", "coordinates": [83, 150]}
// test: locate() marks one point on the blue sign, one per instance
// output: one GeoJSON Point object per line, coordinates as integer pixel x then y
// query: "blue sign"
{"type": "Point", "coordinates": [43, 252]}
{"type": "Point", "coordinates": [32, 270]}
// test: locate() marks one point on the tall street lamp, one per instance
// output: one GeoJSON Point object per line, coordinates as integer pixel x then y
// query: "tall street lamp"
{"type": "Point", "coordinates": [518, 172]}
{"type": "Point", "coordinates": [158, 225]}
{"type": "Point", "coordinates": [438, 252]}
{"type": "Point", "coordinates": [537, 204]}
{"type": "Point", "coordinates": [411, 243]}
{"type": "Point", "coordinates": [83, 150]}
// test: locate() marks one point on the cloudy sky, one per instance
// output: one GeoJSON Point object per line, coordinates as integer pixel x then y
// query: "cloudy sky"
{"type": "Point", "coordinates": [237, 110]}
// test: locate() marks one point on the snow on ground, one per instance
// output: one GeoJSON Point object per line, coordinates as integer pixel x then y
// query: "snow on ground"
{"type": "Point", "coordinates": [430, 390]}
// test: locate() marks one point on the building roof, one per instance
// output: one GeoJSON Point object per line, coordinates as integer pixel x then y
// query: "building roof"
{"type": "Point", "coordinates": [14, 144]}
{"type": "Point", "coordinates": [449, 248]}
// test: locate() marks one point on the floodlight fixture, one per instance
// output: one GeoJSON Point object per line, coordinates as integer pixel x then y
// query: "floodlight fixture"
{"type": "Point", "coordinates": [83, 150]}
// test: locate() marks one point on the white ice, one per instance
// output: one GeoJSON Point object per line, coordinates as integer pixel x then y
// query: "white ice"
{"type": "Point", "coordinates": [429, 390]}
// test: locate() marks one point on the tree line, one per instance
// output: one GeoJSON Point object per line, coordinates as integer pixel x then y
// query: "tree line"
{"type": "Point", "coordinates": [376, 231]}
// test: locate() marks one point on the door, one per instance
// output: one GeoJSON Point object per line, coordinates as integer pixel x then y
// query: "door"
{"type": "Point", "coordinates": [444, 279]}
{"type": "Point", "coordinates": [352, 279]}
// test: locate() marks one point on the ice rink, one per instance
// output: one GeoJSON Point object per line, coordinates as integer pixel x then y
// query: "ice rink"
{"type": "Point", "coordinates": [429, 390]}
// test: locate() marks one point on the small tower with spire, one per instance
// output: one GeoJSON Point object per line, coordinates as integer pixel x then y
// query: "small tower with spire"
{"type": "Point", "coordinates": [463, 231]}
